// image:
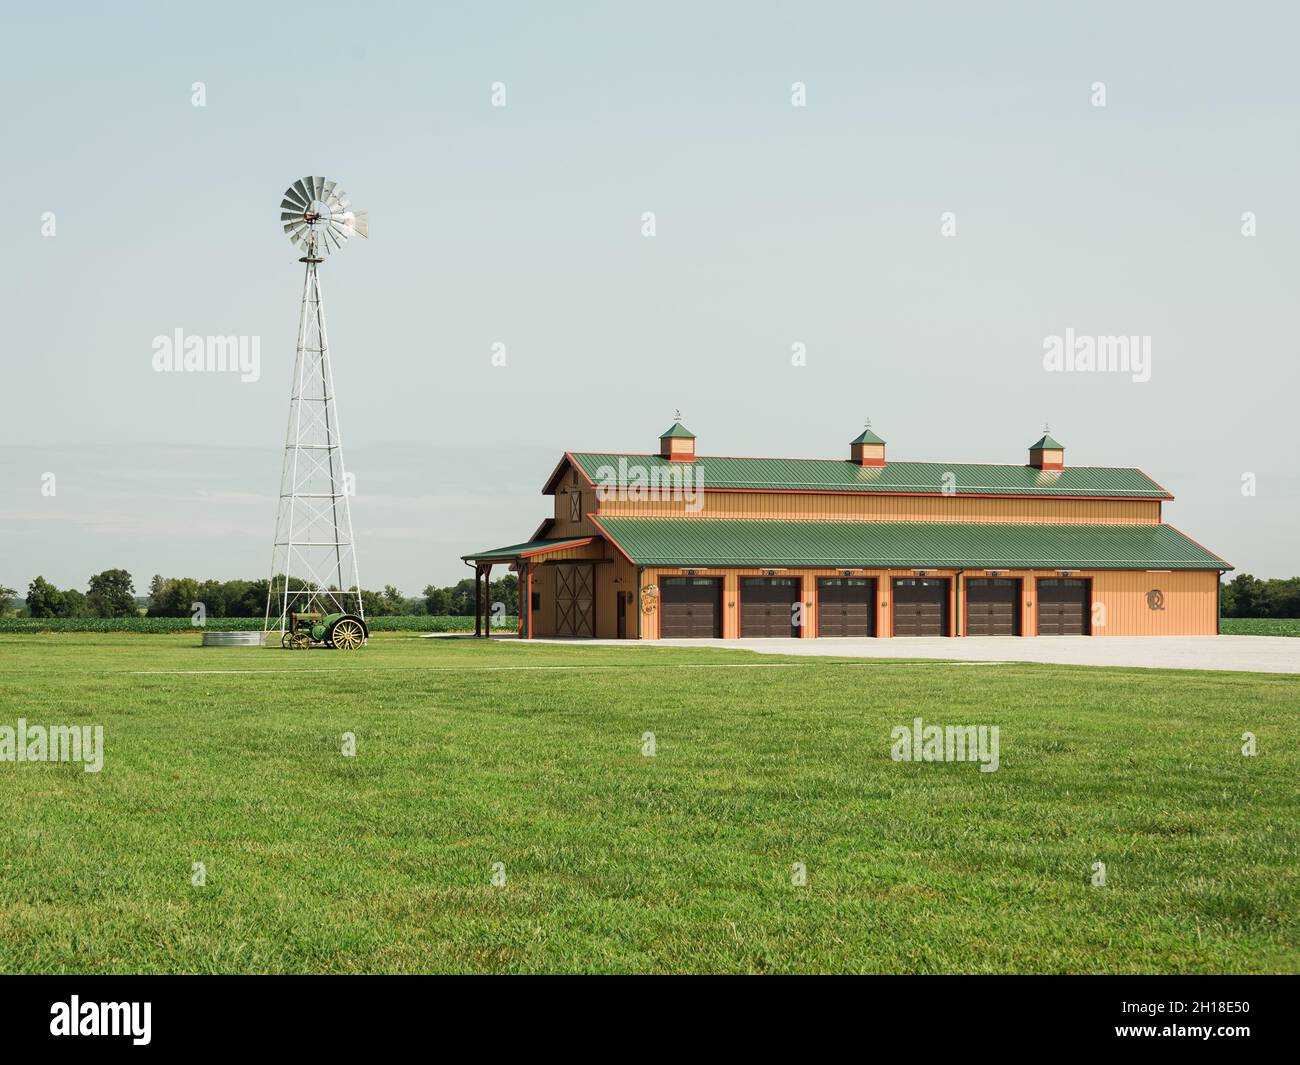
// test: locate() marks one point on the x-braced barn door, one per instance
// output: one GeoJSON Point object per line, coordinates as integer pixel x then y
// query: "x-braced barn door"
{"type": "Point", "coordinates": [575, 599]}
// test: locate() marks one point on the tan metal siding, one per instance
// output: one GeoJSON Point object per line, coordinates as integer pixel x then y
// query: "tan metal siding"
{"type": "Point", "coordinates": [1119, 597]}
{"type": "Point", "coordinates": [1187, 605]}
{"type": "Point", "coordinates": [831, 507]}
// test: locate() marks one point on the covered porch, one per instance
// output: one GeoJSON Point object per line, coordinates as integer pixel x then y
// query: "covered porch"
{"type": "Point", "coordinates": [523, 559]}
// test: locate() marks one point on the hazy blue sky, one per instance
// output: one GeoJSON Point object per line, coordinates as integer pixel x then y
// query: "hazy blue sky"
{"type": "Point", "coordinates": [775, 225]}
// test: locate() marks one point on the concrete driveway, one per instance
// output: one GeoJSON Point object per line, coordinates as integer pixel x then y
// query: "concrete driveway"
{"type": "Point", "coordinates": [1250, 654]}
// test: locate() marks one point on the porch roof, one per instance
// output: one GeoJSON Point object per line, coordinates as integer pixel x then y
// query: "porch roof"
{"type": "Point", "coordinates": [514, 552]}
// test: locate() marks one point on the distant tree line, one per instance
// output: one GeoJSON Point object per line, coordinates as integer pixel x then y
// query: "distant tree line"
{"type": "Point", "coordinates": [111, 594]}
{"type": "Point", "coordinates": [1251, 597]}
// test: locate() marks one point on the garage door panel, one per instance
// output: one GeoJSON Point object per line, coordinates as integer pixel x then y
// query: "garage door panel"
{"type": "Point", "coordinates": [767, 607]}
{"type": "Point", "coordinates": [690, 608]}
{"type": "Point", "coordinates": [846, 606]}
{"type": "Point", "coordinates": [992, 607]}
{"type": "Point", "coordinates": [920, 606]}
{"type": "Point", "coordinates": [1064, 606]}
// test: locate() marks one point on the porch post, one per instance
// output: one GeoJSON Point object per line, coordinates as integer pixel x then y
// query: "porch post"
{"type": "Point", "coordinates": [522, 569]}
{"type": "Point", "coordinates": [477, 613]}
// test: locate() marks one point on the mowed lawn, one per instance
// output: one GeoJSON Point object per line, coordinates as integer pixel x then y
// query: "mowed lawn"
{"type": "Point", "coordinates": [471, 753]}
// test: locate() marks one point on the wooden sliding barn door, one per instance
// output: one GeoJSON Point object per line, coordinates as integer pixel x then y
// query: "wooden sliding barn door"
{"type": "Point", "coordinates": [575, 599]}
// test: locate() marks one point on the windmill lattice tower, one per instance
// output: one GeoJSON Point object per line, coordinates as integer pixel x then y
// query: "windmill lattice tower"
{"type": "Point", "coordinates": [314, 559]}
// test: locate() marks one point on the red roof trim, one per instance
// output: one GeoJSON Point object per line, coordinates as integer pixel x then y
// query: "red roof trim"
{"type": "Point", "coordinates": [1198, 543]}
{"type": "Point", "coordinates": [1156, 483]}
{"type": "Point", "coordinates": [548, 488]}
{"type": "Point", "coordinates": [562, 546]}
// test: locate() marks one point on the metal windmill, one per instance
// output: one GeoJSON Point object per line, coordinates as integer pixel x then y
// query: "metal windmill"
{"type": "Point", "coordinates": [314, 560]}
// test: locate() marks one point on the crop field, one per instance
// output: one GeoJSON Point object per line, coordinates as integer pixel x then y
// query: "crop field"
{"type": "Point", "coordinates": [1261, 626]}
{"type": "Point", "coordinates": [519, 808]}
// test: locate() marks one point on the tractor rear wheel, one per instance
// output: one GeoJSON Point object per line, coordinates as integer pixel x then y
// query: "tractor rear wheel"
{"type": "Point", "coordinates": [347, 634]}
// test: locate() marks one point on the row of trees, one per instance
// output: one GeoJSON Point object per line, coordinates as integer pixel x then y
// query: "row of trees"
{"type": "Point", "coordinates": [173, 597]}
{"type": "Point", "coordinates": [111, 594]}
{"type": "Point", "coordinates": [1250, 597]}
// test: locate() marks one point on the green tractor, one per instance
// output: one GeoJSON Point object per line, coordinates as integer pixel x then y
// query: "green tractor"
{"type": "Point", "coordinates": [345, 632]}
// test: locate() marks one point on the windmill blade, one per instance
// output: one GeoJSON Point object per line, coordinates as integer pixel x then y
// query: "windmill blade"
{"type": "Point", "coordinates": [353, 221]}
{"type": "Point", "coordinates": [331, 229]}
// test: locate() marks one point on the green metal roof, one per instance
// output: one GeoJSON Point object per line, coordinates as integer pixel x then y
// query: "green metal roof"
{"type": "Point", "coordinates": [907, 478]}
{"type": "Point", "coordinates": [513, 551]}
{"type": "Point", "coordinates": [866, 437]}
{"type": "Point", "coordinates": [678, 430]}
{"type": "Point", "coordinates": [957, 545]}
{"type": "Point", "coordinates": [1047, 441]}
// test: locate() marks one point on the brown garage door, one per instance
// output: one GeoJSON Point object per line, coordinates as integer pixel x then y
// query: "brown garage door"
{"type": "Point", "coordinates": [690, 608]}
{"type": "Point", "coordinates": [920, 606]}
{"type": "Point", "coordinates": [993, 607]}
{"type": "Point", "coordinates": [767, 606]}
{"type": "Point", "coordinates": [846, 606]}
{"type": "Point", "coordinates": [1064, 606]}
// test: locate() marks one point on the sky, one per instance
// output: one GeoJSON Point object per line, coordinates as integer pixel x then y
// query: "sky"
{"type": "Point", "coordinates": [949, 195]}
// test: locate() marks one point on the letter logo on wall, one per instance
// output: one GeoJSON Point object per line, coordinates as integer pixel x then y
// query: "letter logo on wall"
{"type": "Point", "coordinates": [1155, 599]}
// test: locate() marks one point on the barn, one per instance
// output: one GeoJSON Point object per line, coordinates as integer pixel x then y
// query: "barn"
{"type": "Point", "coordinates": [675, 544]}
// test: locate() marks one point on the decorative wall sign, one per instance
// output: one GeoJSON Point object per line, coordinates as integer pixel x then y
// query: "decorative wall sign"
{"type": "Point", "coordinates": [1155, 599]}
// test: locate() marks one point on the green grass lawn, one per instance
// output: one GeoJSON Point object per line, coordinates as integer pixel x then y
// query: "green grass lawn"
{"type": "Point", "coordinates": [470, 754]}
{"type": "Point", "coordinates": [1260, 626]}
